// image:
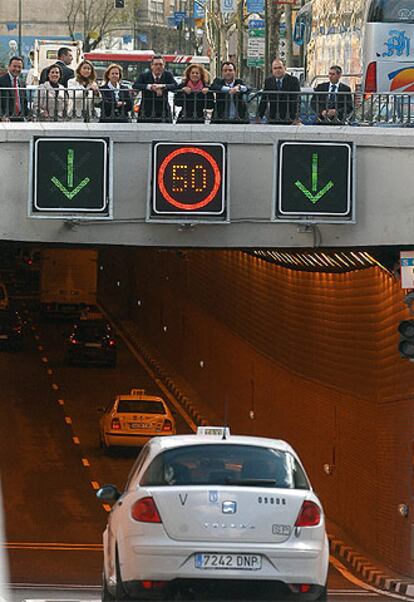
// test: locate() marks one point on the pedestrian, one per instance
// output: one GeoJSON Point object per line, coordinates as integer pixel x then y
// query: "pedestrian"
{"type": "Point", "coordinates": [231, 93]}
{"type": "Point", "coordinates": [281, 95]}
{"type": "Point", "coordinates": [13, 99]}
{"type": "Point", "coordinates": [116, 96]}
{"type": "Point", "coordinates": [332, 101]}
{"type": "Point", "coordinates": [49, 99]}
{"type": "Point", "coordinates": [154, 86]}
{"type": "Point", "coordinates": [193, 95]}
{"type": "Point", "coordinates": [83, 91]}
{"type": "Point", "coordinates": [64, 58]}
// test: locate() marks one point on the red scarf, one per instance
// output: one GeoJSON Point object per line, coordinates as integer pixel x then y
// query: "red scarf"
{"type": "Point", "coordinates": [195, 87]}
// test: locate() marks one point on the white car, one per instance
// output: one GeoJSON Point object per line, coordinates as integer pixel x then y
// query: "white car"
{"type": "Point", "coordinates": [131, 420]}
{"type": "Point", "coordinates": [213, 511]}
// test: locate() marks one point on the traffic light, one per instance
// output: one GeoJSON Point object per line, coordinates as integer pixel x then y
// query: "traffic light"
{"type": "Point", "coordinates": [119, 3]}
{"type": "Point", "coordinates": [406, 346]}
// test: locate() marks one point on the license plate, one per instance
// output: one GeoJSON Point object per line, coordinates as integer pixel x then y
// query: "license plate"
{"type": "Point", "coordinates": [94, 345]}
{"type": "Point", "coordinates": [241, 562]}
{"type": "Point", "coordinates": [139, 425]}
{"type": "Point", "coordinates": [3, 337]}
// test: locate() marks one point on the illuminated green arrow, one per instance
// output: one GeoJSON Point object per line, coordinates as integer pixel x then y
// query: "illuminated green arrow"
{"type": "Point", "coordinates": [70, 194]}
{"type": "Point", "coordinates": [314, 196]}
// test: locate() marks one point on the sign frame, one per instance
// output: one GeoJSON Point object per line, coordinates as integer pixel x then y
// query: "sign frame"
{"type": "Point", "coordinates": [175, 217]}
{"type": "Point", "coordinates": [349, 217]}
{"type": "Point", "coordinates": [103, 214]}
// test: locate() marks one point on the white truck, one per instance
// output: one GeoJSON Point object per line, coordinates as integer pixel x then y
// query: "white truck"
{"type": "Point", "coordinates": [46, 53]}
{"type": "Point", "coordinates": [68, 281]}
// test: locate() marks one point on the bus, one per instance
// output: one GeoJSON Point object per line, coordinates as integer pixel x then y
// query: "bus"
{"type": "Point", "coordinates": [372, 41]}
{"type": "Point", "coordinates": [133, 62]}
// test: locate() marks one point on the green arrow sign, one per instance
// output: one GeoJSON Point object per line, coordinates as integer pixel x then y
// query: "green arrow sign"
{"type": "Point", "coordinates": [70, 192]}
{"type": "Point", "coordinates": [315, 195]}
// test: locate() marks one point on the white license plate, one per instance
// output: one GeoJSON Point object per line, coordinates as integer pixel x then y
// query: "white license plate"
{"type": "Point", "coordinates": [94, 345]}
{"type": "Point", "coordinates": [241, 562]}
{"type": "Point", "coordinates": [139, 425]}
{"type": "Point", "coordinates": [3, 337]}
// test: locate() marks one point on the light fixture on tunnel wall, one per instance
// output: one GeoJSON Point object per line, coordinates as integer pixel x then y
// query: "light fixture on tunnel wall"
{"type": "Point", "coordinates": [165, 328]}
{"type": "Point", "coordinates": [406, 345]}
{"type": "Point", "coordinates": [201, 364]}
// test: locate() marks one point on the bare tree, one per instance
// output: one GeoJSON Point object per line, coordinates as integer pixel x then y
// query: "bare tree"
{"type": "Point", "coordinates": [96, 18]}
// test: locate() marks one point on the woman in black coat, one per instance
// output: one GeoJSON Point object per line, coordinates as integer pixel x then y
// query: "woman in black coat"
{"type": "Point", "coordinates": [116, 97]}
{"type": "Point", "coordinates": [193, 95]}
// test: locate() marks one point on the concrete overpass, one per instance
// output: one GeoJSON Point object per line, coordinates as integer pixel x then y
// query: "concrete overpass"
{"type": "Point", "coordinates": [384, 180]}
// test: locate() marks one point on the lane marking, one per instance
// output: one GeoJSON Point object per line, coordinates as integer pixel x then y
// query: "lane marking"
{"type": "Point", "coordinates": [365, 586]}
{"type": "Point", "coordinates": [95, 485]}
{"type": "Point", "coordinates": [68, 420]}
{"type": "Point", "coordinates": [85, 462]}
{"type": "Point", "coordinates": [61, 402]}
{"type": "Point", "coordinates": [76, 440]}
{"type": "Point", "coordinates": [55, 387]}
{"type": "Point", "coordinates": [50, 371]}
{"type": "Point", "coordinates": [107, 507]}
{"type": "Point", "coordinates": [44, 359]}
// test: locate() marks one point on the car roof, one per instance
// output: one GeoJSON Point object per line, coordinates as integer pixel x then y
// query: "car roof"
{"type": "Point", "coordinates": [175, 441]}
{"type": "Point", "coordinates": [139, 398]}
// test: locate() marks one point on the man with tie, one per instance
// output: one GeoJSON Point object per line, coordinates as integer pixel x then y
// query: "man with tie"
{"type": "Point", "coordinates": [332, 101]}
{"type": "Point", "coordinates": [154, 86]}
{"type": "Point", "coordinates": [281, 93]}
{"type": "Point", "coordinates": [13, 101]}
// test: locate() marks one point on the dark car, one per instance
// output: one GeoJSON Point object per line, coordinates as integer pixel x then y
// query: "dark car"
{"type": "Point", "coordinates": [91, 341]}
{"type": "Point", "coordinates": [11, 329]}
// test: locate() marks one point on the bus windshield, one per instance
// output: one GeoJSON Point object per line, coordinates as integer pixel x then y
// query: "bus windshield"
{"type": "Point", "coordinates": [391, 11]}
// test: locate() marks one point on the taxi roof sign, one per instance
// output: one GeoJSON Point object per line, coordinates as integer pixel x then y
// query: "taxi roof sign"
{"type": "Point", "coordinates": [214, 431]}
{"type": "Point", "coordinates": [137, 391]}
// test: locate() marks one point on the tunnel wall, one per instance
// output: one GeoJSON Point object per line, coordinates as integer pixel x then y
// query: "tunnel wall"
{"type": "Point", "coordinates": [307, 357]}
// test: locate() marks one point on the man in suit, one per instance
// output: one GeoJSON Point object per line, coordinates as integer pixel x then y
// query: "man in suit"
{"type": "Point", "coordinates": [13, 100]}
{"type": "Point", "coordinates": [154, 86]}
{"type": "Point", "coordinates": [65, 57]}
{"type": "Point", "coordinates": [281, 93]}
{"type": "Point", "coordinates": [332, 101]}
{"type": "Point", "coordinates": [230, 92]}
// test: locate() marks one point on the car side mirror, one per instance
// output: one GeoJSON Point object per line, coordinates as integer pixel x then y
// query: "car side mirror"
{"type": "Point", "coordinates": [108, 493]}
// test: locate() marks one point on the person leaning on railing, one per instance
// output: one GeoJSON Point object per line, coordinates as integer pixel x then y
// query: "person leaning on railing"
{"type": "Point", "coordinates": [332, 101]}
{"type": "Point", "coordinates": [154, 86]}
{"type": "Point", "coordinates": [282, 93]}
{"type": "Point", "coordinates": [193, 95]}
{"type": "Point", "coordinates": [231, 93]}
{"type": "Point", "coordinates": [116, 96]}
{"type": "Point", "coordinates": [49, 98]}
{"type": "Point", "coordinates": [13, 98]}
{"type": "Point", "coordinates": [83, 91]}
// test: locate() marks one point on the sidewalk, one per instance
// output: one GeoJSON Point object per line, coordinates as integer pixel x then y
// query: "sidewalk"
{"type": "Point", "coordinates": [361, 565]}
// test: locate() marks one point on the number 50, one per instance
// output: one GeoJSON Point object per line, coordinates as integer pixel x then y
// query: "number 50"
{"type": "Point", "coordinates": [197, 180]}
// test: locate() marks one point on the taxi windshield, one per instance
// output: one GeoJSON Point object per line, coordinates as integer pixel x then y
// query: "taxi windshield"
{"type": "Point", "coordinates": [225, 464]}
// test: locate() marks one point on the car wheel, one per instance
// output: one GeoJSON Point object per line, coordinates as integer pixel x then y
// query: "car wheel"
{"type": "Point", "coordinates": [106, 594]}
{"type": "Point", "coordinates": [319, 594]}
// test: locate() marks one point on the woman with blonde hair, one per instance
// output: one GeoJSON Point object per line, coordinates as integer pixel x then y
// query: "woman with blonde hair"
{"type": "Point", "coordinates": [83, 91]}
{"type": "Point", "coordinates": [194, 95]}
{"type": "Point", "coordinates": [116, 97]}
{"type": "Point", "coordinates": [49, 99]}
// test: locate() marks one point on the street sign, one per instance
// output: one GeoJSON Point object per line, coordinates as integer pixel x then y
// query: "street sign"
{"type": "Point", "coordinates": [407, 269]}
{"type": "Point", "coordinates": [255, 6]}
{"type": "Point", "coordinates": [188, 182]}
{"type": "Point", "coordinates": [70, 175]}
{"type": "Point", "coordinates": [256, 24]}
{"type": "Point", "coordinates": [256, 33]}
{"type": "Point", "coordinates": [315, 181]}
{"type": "Point", "coordinates": [179, 17]}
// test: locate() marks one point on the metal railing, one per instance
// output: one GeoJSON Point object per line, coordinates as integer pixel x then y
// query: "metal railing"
{"type": "Point", "coordinates": [262, 106]}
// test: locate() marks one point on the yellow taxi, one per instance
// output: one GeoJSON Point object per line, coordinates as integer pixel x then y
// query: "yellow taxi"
{"type": "Point", "coordinates": [131, 420]}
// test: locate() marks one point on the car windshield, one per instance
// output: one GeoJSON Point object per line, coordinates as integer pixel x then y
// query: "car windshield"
{"type": "Point", "coordinates": [225, 464]}
{"type": "Point", "coordinates": [140, 406]}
